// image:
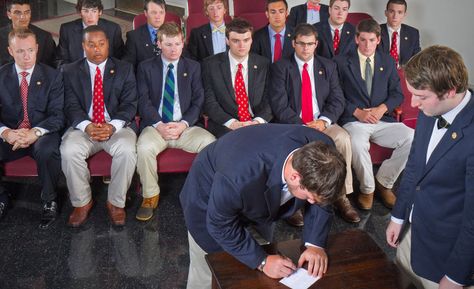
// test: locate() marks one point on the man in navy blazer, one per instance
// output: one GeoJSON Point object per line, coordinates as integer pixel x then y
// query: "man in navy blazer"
{"type": "Point", "coordinates": [326, 102]}
{"type": "Point", "coordinates": [407, 38]}
{"type": "Point", "coordinates": [100, 107]}
{"type": "Point", "coordinates": [436, 194]}
{"type": "Point", "coordinates": [255, 176]}
{"type": "Point", "coordinates": [141, 42]}
{"type": "Point", "coordinates": [336, 30]}
{"type": "Point", "coordinates": [209, 39]}
{"type": "Point", "coordinates": [169, 104]}
{"type": "Point", "coordinates": [372, 91]}
{"type": "Point", "coordinates": [219, 75]}
{"type": "Point", "coordinates": [302, 14]}
{"type": "Point", "coordinates": [31, 117]}
{"type": "Point", "coordinates": [70, 33]}
{"type": "Point", "coordinates": [265, 42]}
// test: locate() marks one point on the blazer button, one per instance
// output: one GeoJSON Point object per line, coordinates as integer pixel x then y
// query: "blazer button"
{"type": "Point", "coordinates": [417, 188]}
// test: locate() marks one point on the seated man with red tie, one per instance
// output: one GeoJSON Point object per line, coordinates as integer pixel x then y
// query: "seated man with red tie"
{"type": "Point", "coordinates": [399, 40]}
{"type": "Point", "coordinates": [311, 12]}
{"type": "Point", "coordinates": [100, 107]}
{"type": "Point", "coordinates": [31, 116]}
{"type": "Point", "coordinates": [169, 104]}
{"type": "Point", "coordinates": [305, 89]}
{"type": "Point", "coordinates": [235, 83]}
{"type": "Point", "coordinates": [274, 40]}
{"type": "Point", "coordinates": [336, 36]}
{"type": "Point", "coordinates": [209, 39]}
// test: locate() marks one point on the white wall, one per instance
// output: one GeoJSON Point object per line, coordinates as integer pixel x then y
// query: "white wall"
{"type": "Point", "coordinates": [438, 21]}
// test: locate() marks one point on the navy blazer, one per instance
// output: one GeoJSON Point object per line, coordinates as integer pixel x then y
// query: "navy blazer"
{"type": "Point", "coordinates": [441, 193]}
{"type": "Point", "coordinates": [237, 180]}
{"type": "Point", "coordinates": [325, 44]}
{"type": "Point", "coordinates": [385, 86]}
{"type": "Point", "coordinates": [138, 46]}
{"type": "Point", "coordinates": [298, 14]}
{"type": "Point", "coordinates": [261, 43]}
{"type": "Point", "coordinates": [150, 90]}
{"type": "Point", "coordinates": [220, 104]}
{"type": "Point", "coordinates": [45, 98]}
{"type": "Point", "coordinates": [46, 46]}
{"type": "Point", "coordinates": [285, 90]}
{"type": "Point", "coordinates": [120, 91]}
{"type": "Point", "coordinates": [70, 40]}
{"type": "Point", "coordinates": [200, 43]}
{"type": "Point", "coordinates": [409, 42]}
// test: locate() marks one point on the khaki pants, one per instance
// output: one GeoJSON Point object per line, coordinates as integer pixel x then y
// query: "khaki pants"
{"type": "Point", "coordinates": [342, 140]}
{"type": "Point", "coordinates": [199, 276]}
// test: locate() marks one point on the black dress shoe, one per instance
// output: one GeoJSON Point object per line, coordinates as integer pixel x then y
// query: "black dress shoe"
{"type": "Point", "coordinates": [50, 212]}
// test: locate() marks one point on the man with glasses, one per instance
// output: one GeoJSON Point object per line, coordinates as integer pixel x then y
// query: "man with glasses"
{"type": "Point", "coordinates": [19, 12]}
{"type": "Point", "coordinates": [304, 89]}
{"type": "Point", "coordinates": [70, 33]}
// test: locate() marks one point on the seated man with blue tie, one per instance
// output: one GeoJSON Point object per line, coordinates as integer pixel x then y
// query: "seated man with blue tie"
{"type": "Point", "coordinates": [273, 41]}
{"type": "Point", "coordinates": [401, 41]}
{"type": "Point", "coordinates": [311, 12]}
{"type": "Point", "coordinates": [100, 107]}
{"type": "Point", "coordinates": [336, 36]}
{"type": "Point", "coordinates": [169, 104]}
{"type": "Point", "coordinates": [209, 39]}
{"type": "Point", "coordinates": [305, 89]}
{"type": "Point", "coordinates": [142, 42]}
{"type": "Point", "coordinates": [235, 83]}
{"type": "Point", "coordinates": [372, 90]}
{"type": "Point", "coordinates": [31, 117]}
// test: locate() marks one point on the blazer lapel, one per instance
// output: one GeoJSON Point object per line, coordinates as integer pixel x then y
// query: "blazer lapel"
{"type": "Point", "coordinates": [76, 41]}
{"type": "Point", "coordinates": [253, 70]}
{"type": "Point", "coordinates": [319, 77]}
{"type": "Point", "coordinates": [404, 42]}
{"type": "Point", "coordinates": [379, 71]}
{"type": "Point", "coordinates": [354, 67]}
{"type": "Point", "coordinates": [385, 41]}
{"type": "Point", "coordinates": [109, 77]}
{"type": "Point", "coordinates": [287, 45]}
{"type": "Point", "coordinates": [225, 71]}
{"type": "Point", "coordinates": [34, 89]}
{"type": "Point", "coordinates": [274, 185]}
{"type": "Point", "coordinates": [328, 36]}
{"type": "Point", "coordinates": [145, 38]}
{"type": "Point", "coordinates": [346, 37]}
{"type": "Point", "coordinates": [296, 83]}
{"type": "Point", "coordinates": [13, 86]}
{"type": "Point", "coordinates": [207, 39]}
{"type": "Point", "coordinates": [181, 78]}
{"type": "Point", "coordinates": [85, 83]}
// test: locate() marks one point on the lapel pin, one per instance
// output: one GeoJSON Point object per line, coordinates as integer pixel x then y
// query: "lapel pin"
{"type": "Point", "coordinates": [320, 72]}
{"type": "Point", "coordinates": [112, 71]}
{"type": "Point", "coordinates": [289, 35]}
{"type": "Point", "coordinates": [348, 32]}
{"type": "Point", "coordinates": [255, 67]}
{"type": "Point", "coordinates": [406, 38]}
{"type": "Point", "coordinates": [38, 83]}
{"type": "Point", "coordinates": [146, 44]}
{"type": "Point", "coordinates": [204, 36]}
{"type": "Point", "coordinates": [454, 135]}
{"type": "Point", "coordinates": [381, 68]}
{"type": "Point", "coordinates": [185, 74]}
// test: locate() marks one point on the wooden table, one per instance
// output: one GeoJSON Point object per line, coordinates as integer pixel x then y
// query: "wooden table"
{"type": "Point", "coordinates": [355, 262]}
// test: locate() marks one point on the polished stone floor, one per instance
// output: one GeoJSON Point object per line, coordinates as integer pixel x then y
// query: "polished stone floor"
{"type": "Point", "coordinates": [141, 255]}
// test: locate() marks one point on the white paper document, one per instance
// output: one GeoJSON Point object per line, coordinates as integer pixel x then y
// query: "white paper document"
{"type": "Point", "coordinates": [300, 279]}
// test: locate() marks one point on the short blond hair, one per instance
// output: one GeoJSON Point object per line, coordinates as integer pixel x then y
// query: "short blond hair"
{"type": "Point", "coordinates": [170, 29]}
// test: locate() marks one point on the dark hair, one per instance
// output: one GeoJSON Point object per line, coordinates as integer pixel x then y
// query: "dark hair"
{"type": "Point", "coordinates": [273, 1]}
{"type": "Point", "coordinates": [21, 33]}
{"type": "Point", "coordinates": [9, 3]}
{"type": "Point", "coordinates": [331, 2]}
{"type": "Point", "coordinates": [305, 29]}
{"type": "Point", "coordinates": [439, 69]}
{"type": "Point", "coordinates": [238, 25]}
{"type": "Point", "coordinates": [368, 26]}
{"type": "Point", "coordinates": [161, 3]}
{"type": "Point", "coordinates": [322, 169]}
{"type": "Point", "coordinates": [89, 4]}
{"type": "Point", "coordinates": [92, 29]}
{"type": "Point", "coordinates": [400, 2]}
{"type": "Point", "coordinates": [170, 29]}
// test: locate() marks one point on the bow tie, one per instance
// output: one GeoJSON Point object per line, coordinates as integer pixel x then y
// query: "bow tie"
{"type": "Point", "coordinates": [219, 29]}
{"type": "Point", "coordinates": [313, 7]}
{"type": "Point", "coordinates": [442, 123]}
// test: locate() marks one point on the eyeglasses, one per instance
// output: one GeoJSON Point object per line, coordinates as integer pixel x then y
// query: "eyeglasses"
{"type": "Point", "coordinates": [19, 13]}
{"type": "Point", "coordinates": [305, 44]}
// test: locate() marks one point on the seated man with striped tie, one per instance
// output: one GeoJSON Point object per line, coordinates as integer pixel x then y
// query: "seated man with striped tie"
{"type": "Point", "coordinates": [169, 104]}
{"type": "Point", "coordinates": [31, 116]}
{"type": "Point", "coordinates": [401, 41]}
{"type": "Point", "coordinates": [100, 107]}
{"type": "Point", "coordinates": [235, 83]}
{"type": "Point", "coordinates": [372, 90]}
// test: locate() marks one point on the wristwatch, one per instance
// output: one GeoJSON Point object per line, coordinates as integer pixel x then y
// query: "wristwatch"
{"type": "Point", "coordinates": [38, 133]}
{"type": "Point", "coordinates": [260, 267]}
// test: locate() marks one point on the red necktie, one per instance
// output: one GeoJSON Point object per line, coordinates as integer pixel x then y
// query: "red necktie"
{"type": "Point", "coordinates": [277, 48]}
{"type": "Point", "coordinates": [335, 41]}
{"type": "Point", "coordinates": [98, 98]}
{"type": "Point", "coordinates": [393, 47]}
{"type": "Point", "coordinates": [313, 7]}
{"type": "Point", "coordinates": [306, 96]}
{"type": "Point", "coordinates": [25, 123]}
{"type": "Point", "coordinates": [241, 95]}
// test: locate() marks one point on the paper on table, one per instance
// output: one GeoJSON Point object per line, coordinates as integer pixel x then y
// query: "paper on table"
{"type": "Point", "coordinates": [300, 279]}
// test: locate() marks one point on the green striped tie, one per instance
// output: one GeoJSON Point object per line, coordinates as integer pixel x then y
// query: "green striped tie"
{"type": "Point", "coordinates": [168, 96]}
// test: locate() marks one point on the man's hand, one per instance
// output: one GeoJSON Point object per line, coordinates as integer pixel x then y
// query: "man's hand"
{"type": "Point", "coordinates": [365, 115]}
{"type": "Point", "coordinates": [99, 131]}
{"type": "Point", "coordinates": [379, 111]}
{"type": "Point", "coordinates": [446, 284]}
{"type": "Point", "coordinates": [392, 233]}
{"type": "Point", "coordinates": [171, 130]}
{"type": "Point", "coordinates": [317, 124]}
{"type": "Point", "coordinates": [12, 135]}
{"type": "Point", "coordinates": [250, 122]}
{"type": "Point", "coordinates": [317, 261]}
{"type": "Point", "coordinates": [19, 138]}
{"type": "Point", "coordinates": [278, 266]}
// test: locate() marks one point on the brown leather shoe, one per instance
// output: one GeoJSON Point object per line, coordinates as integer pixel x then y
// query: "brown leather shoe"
{"type": "Point", "coordinates": [386, 194]}
{"type": "Point", "coordinates": [117, 215]}
{"type": "Point", "coordinates": [296, 219]}
{"type": "Point", "coordinates": [145, 212]}
{"type": "Point", "coordinates": [79, 215]}
{"type": "Point", "coordinates": [365, 201]}
{"type": "Point", "coordinates": [346, 210]}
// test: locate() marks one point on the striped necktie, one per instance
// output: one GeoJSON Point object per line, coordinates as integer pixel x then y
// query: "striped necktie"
{"type": "Point", "coordinates": [168, 96]}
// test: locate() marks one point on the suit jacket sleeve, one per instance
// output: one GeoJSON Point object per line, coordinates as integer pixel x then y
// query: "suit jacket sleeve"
{"type": "Point", "coordinates": [395, 95]}
{"type": "Point", "coordinates": [54, 121]}
{"type": "Point", "coordinates": [317, 224]}
{"type": "Point", "coordinates": [293, 17]}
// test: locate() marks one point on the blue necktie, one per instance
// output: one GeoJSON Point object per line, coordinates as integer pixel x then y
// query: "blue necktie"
{"type": "Point", "coordinates": [168, 96]}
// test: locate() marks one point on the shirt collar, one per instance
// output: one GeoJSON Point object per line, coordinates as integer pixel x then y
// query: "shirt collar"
{"type": "Point", "coordinates": [451, 115]}
{"type": "Point", "coordinates": [301, 62]}
{"type": "Point", "coordinates": [283, 181]}
{"type": "Point", "coordinates": [234, 62]}
{"type": "Point", "coordinates": [151, 28]}
{"type": "Point", "coordinates": [273, 32]}
{"type": "Point", "coordinates": [333, 28]}
{"type": "Point", "coordinates": [214, 26]}
{"type": "Point", "coordinates": [93, 65]}
{"type": "Point", "coordinates": [391, 30]}
{"type": "Point", "coordinates": [19, 70]}
{"type": "Point", "coordinates": [166, 62]}
{"type": "Point", "coordinates": [363, 58]}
